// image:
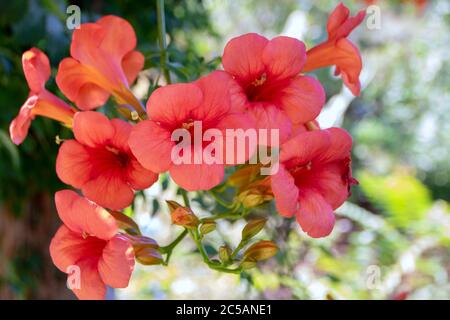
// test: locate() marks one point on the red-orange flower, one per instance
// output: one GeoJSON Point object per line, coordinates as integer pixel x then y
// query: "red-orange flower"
{"type": "Point", "coordinates": [103, 62]}
{"type": "Point", "coordinates": [40, 102]}
{"type": "Point", "coordinates": [89, 242]}
{"type": "Point", "coordinates": [314, 178]}
{"type": "Point", "coordinates": [270, 84]}
{"type": "Point", "coordinates": [178, 107]}
{"type": "Point", "coordinates": [100, 163]}
{"type": "Point", "coordinates": [338, 50]}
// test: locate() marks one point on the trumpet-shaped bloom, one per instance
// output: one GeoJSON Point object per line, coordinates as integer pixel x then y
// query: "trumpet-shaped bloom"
{"type": "Point", "coordinates": [88, 246]}
{"type": "Point", "coordinates": [338, 50]}
{"type": "Point", "coordinates": [100, 163]}
{"type": "Point", "coordinates": [40, 102]}
{"type": "Point", "coordinates": [314, 178]}
{"type": "Point", "coordinates": [271, 87]}
{"type": "Point", "coordinates": [103, 62]}
{"type": "Point", "coordinates": [179, 107]}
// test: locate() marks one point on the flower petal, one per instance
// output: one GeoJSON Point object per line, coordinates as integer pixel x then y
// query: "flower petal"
{"type": "Point", "coordinates": [140, 178]}
{"type": "Point", "coordinates": [348, 63]}
{"type": "Point", "coordinates": [206, 176]}
{"type": "Point", "coordinates": [337, 17]}
{"type": "Point", "coordinates": [305, 147]}
{"type": "Point", "coordinates": [285, 192]}
{"type": "Point", "coordinates": [173, 104]}
{"type": "Point", "coordinates": [109, 190]}
{"type": "Point", "coordinates": [268, 116]}
{"type": "Point", "coordinates": [119, 38]}
{"type": "Point", "coordinates": [132, 64]}
{"type": "Point", "coordinates": [82, 216]}
{"type": "Point", "coordinates": [36, 68]}
{"type": "Point", "coordinates": [151, 145]}
{"type": "Point", "coordinates": [340, 25]}
{"type": "Point", "coordinates": [92, 128]}
{"type": "Point", "coordinates": [91, 285]}
{"type": "Point", "coordinates": [242, 57]}
{"type": "Point", "coordinates": [302, 99]}
{"type": "Point", "coordinates": [117, 262]}
{"type": "Point", "coordinates": [315, 215]}
{"type": "Point", "coordinates": [284, 57]}
{"type": "Point", "coordinates": [18, 129]}
{"type": "Point", "coordinates": [216, 100]}
{"type": "Point", "coordinates": [122, 130]}
{"type": "Point", "coordinates": [67, 248]}
{"type": "Point", "coordinates": [85, 87]}
{"type": "Point", "coordinates": [330, 184]}
{"type": "Point", "coordinates": [340, 145]}
{"type": "Point", "coordinates": [73, 165]}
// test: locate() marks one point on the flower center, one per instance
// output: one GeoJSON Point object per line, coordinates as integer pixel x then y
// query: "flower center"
{"type": "Point", "coordinates": [188, 124]}
{"type": "Point", "coordinates": [264, 88]}
{"type": "Point", "coordinates": [260, 81]}
{"type": "Point", "coordinates": [302, 173]}
{"type": "Point", "coordinates": [121, 157]}
{"type": "Point", "coordinates": [302, 168]}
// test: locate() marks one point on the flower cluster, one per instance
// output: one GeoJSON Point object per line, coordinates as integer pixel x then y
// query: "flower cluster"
{"type": "Point", "coordinates": [262, 86]}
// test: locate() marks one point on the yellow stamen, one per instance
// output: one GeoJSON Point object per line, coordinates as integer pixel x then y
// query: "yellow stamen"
{"type": "Point", "coordinates": [187, 125]}
{"type": "Point", "coordinates": [260, 81]}
{"type": "Point", "coordinates": [113, 150]}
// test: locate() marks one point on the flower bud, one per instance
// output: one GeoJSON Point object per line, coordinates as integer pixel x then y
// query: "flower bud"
{"type": "Point", "coordinates": [244, 175]}
{"type": "Point", "coordinates": [251, 198]}
{"type": "Point", "coordinates": [139, 242]}
{"type": "Point", "coordinates": [225, 254]}
{"type": "Point", "coordinates": [261, 250]}
{"type": "Point", "coordinates": [248, 265]}
{"type": "Point", "coordinates": [253, 228]}
{"type": "Point", "coordinates": [173, 205]}
{"type": "Point", "coordinates": [125, 223]}
{"type": "Point", "coordinates": [148, 256]}
{"type": "Point", "coordinates": [145, 250]}
{"type": "Point", "coordinates": [207, 227]}
{"type": "Point", "coordinates": [182, 216]}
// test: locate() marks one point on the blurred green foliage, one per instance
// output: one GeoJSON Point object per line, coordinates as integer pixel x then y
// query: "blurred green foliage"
{"type": "Point", "coordinates": [403, 198]}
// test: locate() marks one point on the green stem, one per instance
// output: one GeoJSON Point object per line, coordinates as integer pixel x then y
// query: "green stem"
{"type": "Point", "coordinates": [221, 201]}
{"type": "Point", "coordinates": [169, 248]}
{"type": "Point", "coordinates": [162, 39]}
{"type": "Point", "coordinates": [238, 248]}
{"type": "Point", "coordinates": [185, 197]}
{"type": "Point", "coordinates": [226, 215]}
{"type": "Point", "coordinates": [196, 237]}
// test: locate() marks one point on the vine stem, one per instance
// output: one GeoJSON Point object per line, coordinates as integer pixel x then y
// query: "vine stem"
{"type": "Point", "coordinates": [169, 248]}
{"type": "Point", "coordinates": [220, 200]}
{"type": "Point", "coordinates": [162, 39]}
{"type": "Point", "coordinates": [185, 198]}
{"type": "Point", "coordinates": [196, 237]}
{"type": "Point", "coordinates": [238, 248]}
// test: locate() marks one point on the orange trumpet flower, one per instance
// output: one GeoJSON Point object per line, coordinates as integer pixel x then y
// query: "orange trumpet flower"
{"type": "Point", "coordinates": [40, 102]}
{"type": "Point", "coordinates": [103, 62]}
{"type": "Point", "coordinates": [338, 50]}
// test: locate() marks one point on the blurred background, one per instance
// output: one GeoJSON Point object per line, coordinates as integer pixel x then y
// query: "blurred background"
{"type": "Point", "coordinates": [392, 238]}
